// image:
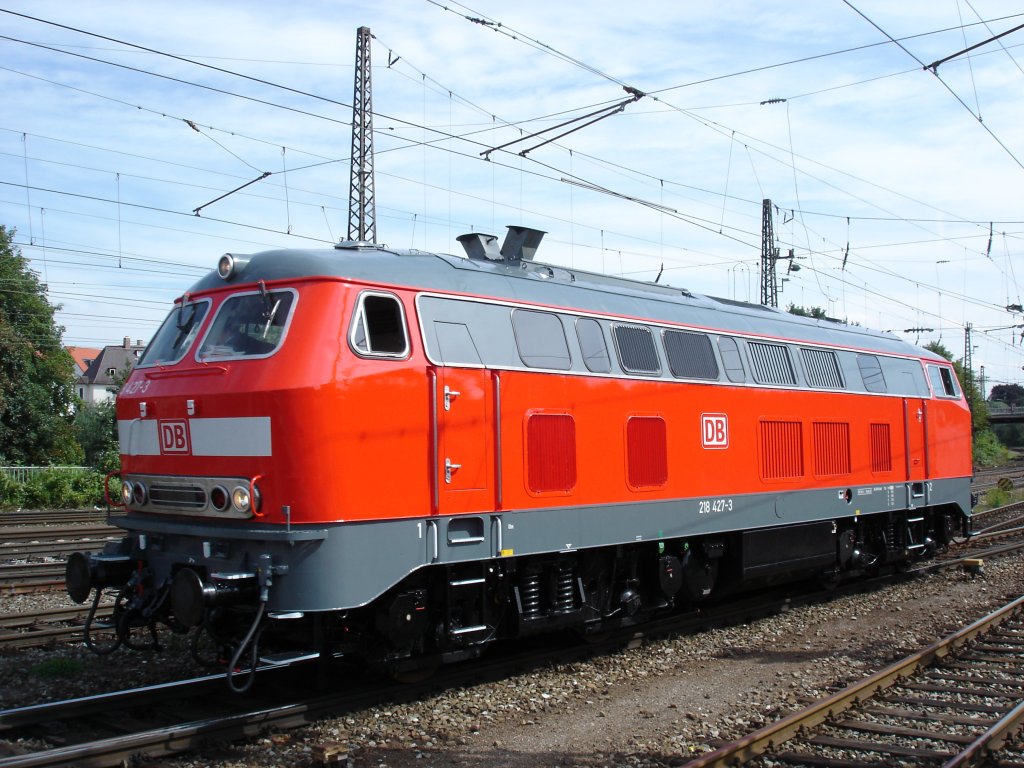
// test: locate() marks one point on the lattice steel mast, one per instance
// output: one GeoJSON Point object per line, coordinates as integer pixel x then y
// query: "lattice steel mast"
{"type": "Point", "coordinates": [769, 255]}
{"type": "Point", "coordinates": [362, 210]}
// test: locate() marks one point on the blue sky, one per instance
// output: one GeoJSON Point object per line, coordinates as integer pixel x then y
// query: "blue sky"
{"type": "Point", "coordinates": [868, 156]}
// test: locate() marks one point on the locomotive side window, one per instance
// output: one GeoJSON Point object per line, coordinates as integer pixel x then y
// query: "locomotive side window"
{"type": "Point", "coordinates": [636, 349]}
{"type": "Point", "coordinates": [378, 329]}
{"type": "Point", "coordinates": [822, 368]}
{"type": "Point", "coordinates": [176, 334]}
{"type": "Point", "coordinates": [541, 340]}
{"type": "Point", "coordinates": [944, 383]}
{"type": "Point", "coordinates": [771, 363]}
{"type": "Point", "coordinates": [690, 355]}
{"type": "Point", "coordinates": [593, 345]}
{"type": "Point", "coordinates": [248, 325]}
{"type": "Point", "coordinates": [732, 360]}
{"type": "Point", "coordinates": [871, 373]}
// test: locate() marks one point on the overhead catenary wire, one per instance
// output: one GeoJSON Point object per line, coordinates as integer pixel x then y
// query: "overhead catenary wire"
{"type": "Point", "coordinates": [730, 145]}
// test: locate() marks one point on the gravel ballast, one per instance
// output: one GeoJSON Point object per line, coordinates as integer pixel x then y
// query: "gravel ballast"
{"type": "Point", "coordinates": [656, 705]}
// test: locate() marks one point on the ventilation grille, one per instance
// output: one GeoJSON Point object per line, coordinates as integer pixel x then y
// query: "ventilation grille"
{"type": "Point", "coordinates": [881, 448]}
{"type": "Point", "coordinates": [636, 349]}
{"type": "Point", "coordinates": [551, 452]}
{"type": "Point", "coordinates": [177, 496]}
{"type": "Point", "coordinates": [822, 368]}
{"type": "Point", "coordinates": [831, 448]}
{"type": "Point", "coordinates": [646, 452]}
{"type": "Point", "coordinates": [771, 363]}
{"type": "Point", "coordinates": [782, 454]}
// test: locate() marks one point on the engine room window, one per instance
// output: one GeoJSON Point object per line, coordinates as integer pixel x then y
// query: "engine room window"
{"type": "Point", "coordinates": [635, 345]}
{"type": "Point", "coordinates": [822, 368]}
{"type": "Point", "coordinates": [732, 360]}
{"type": "Point", "coordinates": [248, 325]}
{"type": "Point", "coordinates": [771, 363]}
{"type": "Point", "coordinates": [593, 345]}
{"type": "Point", "coordinates": [176, 334]}
{"type": "Point", "coordinates": [944, 383]}
{"type": "Point", "coordinates": [690, 355]}
{"type": "Point", "coordinates": [541, 340]}
{"type": "Point", "coordinates": [871, 373]}
{"type": "Point", "coordinates": [378, 329]}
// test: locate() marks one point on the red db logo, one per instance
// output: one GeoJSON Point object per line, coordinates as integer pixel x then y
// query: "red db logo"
{"type": "Point", "coordinates": [714, 430]}
{"type": "Point", "coordinates": [174, 436]}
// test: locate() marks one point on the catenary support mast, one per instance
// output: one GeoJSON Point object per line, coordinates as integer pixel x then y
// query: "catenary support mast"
{"type": "Point", "coordinates": [362, 211]}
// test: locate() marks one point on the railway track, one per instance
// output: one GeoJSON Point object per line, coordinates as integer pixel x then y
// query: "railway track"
{"type": "Point", "coordinates": [34, 629]}
{"type": "Point", "coordinates": [150, 720]}
{"type": "Point", "coordinates": [21, 534]}
{"type": "Point", "coordinates": [32, 557]}
{"type": "Point", "coordinates": [954, 703]}
{"type": "Point", "coordinates": [52, 516]}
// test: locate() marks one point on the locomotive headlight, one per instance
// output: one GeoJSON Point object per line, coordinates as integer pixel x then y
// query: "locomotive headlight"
{"type": "Point", "coordinates": [230, 264]}
{"type": "Point", "coordinates": [139, 493]}
{"type": "Point", "coordinates": [126, 492]}
{"type": "Point", "coordinates": [240, 498]}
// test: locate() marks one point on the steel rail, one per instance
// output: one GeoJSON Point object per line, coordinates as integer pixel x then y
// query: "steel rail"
{"type": "Point", "coordinates": [774, 734]}
{"type": "Point", "coordinates": [56, 533]}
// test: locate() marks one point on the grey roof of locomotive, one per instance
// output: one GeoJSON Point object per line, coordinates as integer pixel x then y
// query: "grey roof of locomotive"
{"type": "Point", "coordinates": [558, 287]}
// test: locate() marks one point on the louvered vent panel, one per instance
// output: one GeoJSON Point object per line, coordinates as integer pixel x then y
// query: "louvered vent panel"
{"type": "Point", "coordinates": [771, 363]}
{"type": "Point", "coordinates": [782, 454]}
{"type": "Point", "coordinates": [831, 448]}
{"type": "Point", "coordinates": [881, 448]}
{"type": "Point", "coordinates": [646, 452]}
{"type": "Point", "coordinates": [636, 349]}
{"type": "Point", "coordinates": [822, 368]}
{"type": "Point", "coordinates": [551, 452]}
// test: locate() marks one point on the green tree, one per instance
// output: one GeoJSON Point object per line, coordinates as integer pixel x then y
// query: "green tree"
{"type": "Point", "coordinates": [816, 312]}
{"type": "Point", "coordinates": [36, 383]}
{"type": "Point", "coordinates": [1011, 394]}
{"type": "Point", "coordinates": [96, 431]}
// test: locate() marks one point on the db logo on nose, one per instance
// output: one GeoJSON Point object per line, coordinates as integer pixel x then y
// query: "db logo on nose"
{"type": "Point", "coordinates": [174, 436]}
{"type": "Point", "coordinates": [714, 430]}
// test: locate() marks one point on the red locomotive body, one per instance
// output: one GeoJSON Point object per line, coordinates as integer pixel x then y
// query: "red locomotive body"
{"type": "Point", "coordinates": [407, 455]}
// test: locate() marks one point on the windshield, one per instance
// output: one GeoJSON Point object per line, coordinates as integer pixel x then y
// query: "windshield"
{"type": "Point", "coordinates": [176, 334]}
{"type": "Point", "coordinates": [248, 325]}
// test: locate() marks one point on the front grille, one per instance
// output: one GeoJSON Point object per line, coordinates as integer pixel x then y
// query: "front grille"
{"type": "Point", "coordinates": [177, 496]}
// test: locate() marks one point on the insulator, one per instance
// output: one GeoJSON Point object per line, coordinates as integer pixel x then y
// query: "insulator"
{"type": "Point", "coordinates": [563, 594]}
{"type": "Point", "coordinates": [529, 594]}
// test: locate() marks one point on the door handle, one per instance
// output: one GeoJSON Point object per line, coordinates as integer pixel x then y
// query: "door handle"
{"type": "Point", "coordinates": [449, 395]}
{"type": "Point", "coordinates": [450, 469]}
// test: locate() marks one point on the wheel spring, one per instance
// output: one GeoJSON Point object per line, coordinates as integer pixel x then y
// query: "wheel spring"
{"type": "Point", "coordinates": [529, 594]}
{"type": "Point", "coordinates": [562, 596]}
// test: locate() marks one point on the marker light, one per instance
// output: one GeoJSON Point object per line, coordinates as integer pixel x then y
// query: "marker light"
{"type": "Point", "coordinates": [126, 492]}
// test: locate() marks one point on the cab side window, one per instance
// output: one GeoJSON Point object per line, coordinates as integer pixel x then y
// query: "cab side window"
{"type": "Point", "coordinates": [378, 327]}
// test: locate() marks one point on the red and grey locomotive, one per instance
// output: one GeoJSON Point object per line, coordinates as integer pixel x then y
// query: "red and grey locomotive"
{"type": "Point", "coordinates": [403, 456]}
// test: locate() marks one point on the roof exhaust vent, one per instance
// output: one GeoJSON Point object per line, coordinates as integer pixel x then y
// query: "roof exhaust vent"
{"type": "Point", "coordinates": [480, 246]}
{"type": "Point", "coordinates": [521, 243]}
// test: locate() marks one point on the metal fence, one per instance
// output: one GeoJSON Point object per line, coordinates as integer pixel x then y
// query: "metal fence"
{"type": "Point", "coordinates": [22, 474]}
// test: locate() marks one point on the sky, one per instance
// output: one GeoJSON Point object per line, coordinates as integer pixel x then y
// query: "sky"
{"type": "Point", "coordinates": [129, 130]}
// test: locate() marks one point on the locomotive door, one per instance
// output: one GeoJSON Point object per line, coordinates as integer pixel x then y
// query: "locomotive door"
{"type": "Point", "coordinates": [464, 459]}
{"type": "Point", "coordinates": [915, 423]}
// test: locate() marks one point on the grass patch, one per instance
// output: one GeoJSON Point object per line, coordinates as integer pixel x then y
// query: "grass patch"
{"type": "Point", "coordinates": [58, 668]}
